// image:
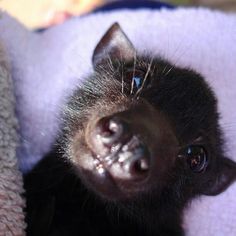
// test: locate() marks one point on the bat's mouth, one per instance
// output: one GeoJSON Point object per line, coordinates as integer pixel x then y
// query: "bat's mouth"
{"type": "Point", "coordinates": [120, 173]}
{"type": "Point", "coordinates": [124, 161]}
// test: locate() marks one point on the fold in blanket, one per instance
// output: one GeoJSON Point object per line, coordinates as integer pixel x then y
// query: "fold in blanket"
{"type": "Point", "coordinates": [47, 67]}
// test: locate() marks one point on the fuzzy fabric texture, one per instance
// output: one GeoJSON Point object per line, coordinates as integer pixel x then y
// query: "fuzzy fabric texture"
{"type": "Point", "coordinates": [47, 67]}
{"type": "Point", "coordinates": [11, 183]}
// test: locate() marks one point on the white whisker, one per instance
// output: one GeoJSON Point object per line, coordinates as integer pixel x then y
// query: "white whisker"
{"type": "Point", "coordinates": [144, 80]}
{"type": "Point", "coordinates": [134, 68]}
{"type": "Point", "coordinates": [110, 63]}
{"type": "Point", "coordinates": [163, 71]}
{"type": "Point", "coordinates": [122, 78]}
{"type": "Point", "coordinates": [171, 68]}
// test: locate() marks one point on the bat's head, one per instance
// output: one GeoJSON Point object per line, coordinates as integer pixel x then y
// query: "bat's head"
{"type": "Point", "coordinates": [141, 127]}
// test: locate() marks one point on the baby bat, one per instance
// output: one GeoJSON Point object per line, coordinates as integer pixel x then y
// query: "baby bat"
{"type": "Point", "coordinates": [139, 140]}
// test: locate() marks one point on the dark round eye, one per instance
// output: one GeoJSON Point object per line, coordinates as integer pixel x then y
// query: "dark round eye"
{"type": "Point", "coordinates": [196, 157]}
{"type": "Point", "coordinates": [134, 79]}
{"type": "Point", "coordinates": [137, 80]}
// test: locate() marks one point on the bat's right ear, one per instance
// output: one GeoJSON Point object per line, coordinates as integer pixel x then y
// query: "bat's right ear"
{"type": "Point", "coordinates": [114, 45]}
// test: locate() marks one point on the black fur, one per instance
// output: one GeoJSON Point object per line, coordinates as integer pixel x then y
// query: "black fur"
{"type": "Point", "coordinates": [60, 199]}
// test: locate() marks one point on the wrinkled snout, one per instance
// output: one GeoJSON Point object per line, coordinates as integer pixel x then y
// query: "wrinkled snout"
{"type": "Point", "coordinates": [120, 150]}
{"type": "Point", "coordinates": [133, 147]}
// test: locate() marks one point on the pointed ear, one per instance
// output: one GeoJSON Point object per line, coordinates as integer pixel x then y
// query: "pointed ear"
{"type": "Point", "coordinates": [114, 45]}
{"type": "Point", "coordinates": [224, 178]}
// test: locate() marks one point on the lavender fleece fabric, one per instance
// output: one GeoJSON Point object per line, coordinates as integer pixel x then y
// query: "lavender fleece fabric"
{"type": "Point", "coordinates": [47, 67]}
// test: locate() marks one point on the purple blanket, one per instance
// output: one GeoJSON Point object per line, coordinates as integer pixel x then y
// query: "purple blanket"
{"type": "Point", "coordinates": [47, 67]}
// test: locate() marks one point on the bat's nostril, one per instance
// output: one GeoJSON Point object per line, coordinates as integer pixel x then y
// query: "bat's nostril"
{"type": "Point", "coordinates": [138, 164]}
{"type": "Point", "coordinates": [112, 130]}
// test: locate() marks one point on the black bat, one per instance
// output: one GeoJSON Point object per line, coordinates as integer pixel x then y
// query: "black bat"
{"type": "Point", "coordinates": [139, 140]}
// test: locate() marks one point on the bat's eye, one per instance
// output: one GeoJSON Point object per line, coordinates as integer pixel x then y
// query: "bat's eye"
{"type": "Point", "coordinates": [137, 81]}
{"type": "Point", "coordinates": [196, 157]}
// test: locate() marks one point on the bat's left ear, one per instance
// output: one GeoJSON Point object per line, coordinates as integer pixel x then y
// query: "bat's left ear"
{"type": "Point", "coordinates": [114, 45]}
{"type": "Point", "coordinates": [225, 176]}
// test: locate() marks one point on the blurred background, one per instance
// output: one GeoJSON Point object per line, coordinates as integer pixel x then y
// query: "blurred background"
{"type": "Point", "coordinates": [44, 13]}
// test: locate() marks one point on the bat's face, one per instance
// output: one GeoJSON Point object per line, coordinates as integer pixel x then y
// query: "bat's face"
{"type": "Point", "coordinates": [141, 127]}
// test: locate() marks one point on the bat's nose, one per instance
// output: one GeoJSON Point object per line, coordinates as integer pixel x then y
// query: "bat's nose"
{"type": "Point", "coordinates": [120, 150]}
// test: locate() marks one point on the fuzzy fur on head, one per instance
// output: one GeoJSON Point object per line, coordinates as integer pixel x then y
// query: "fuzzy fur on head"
{"type": "Point", "coordinates": [180, 95]}
{"type": "Point", "coordinates": [170, 111]}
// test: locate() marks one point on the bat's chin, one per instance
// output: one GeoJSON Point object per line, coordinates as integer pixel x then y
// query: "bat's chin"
{"type": "Point", "coordinates": [119, 174]}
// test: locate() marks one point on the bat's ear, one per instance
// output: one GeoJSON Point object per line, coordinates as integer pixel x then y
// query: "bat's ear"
{"type": "Point", "coordinates": [114, 45]}
{"type": "Point", "coordinates": [225, 176]}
